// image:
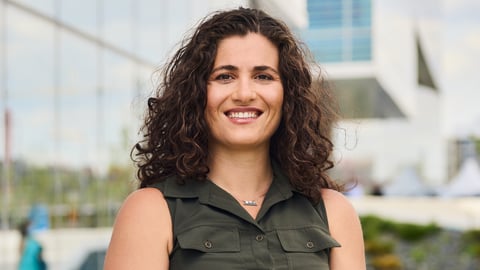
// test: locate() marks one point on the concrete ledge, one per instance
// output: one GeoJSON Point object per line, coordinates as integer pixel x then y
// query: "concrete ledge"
{"type": "Point", "coordinates": [451, 213]}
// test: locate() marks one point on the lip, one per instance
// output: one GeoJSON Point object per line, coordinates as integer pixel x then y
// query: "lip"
{"type": "Point", "coordinates": [247, 110]}
{"type": "Point", "coordinates": [244, 109]}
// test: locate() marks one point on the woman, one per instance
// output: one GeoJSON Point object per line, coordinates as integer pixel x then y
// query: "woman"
{"type": "Point", "coordinates": [233, 163]}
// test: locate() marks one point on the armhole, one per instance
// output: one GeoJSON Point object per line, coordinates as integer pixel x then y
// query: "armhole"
{"type": "Point", "coordinates": [172, 208]}
{"type": "Point", "coordinates": [322, 211]}
{"type": "Point", "coordinates": [170, 202]}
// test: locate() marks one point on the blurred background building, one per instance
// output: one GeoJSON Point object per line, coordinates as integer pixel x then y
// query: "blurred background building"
{"type": "Point", "coordinates": [75, 75]}
{"type": "Point", "coordinates": [375, 54]}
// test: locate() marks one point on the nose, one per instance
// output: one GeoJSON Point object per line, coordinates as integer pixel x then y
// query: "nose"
{"type": "Point", "coordinates": [244, 91]}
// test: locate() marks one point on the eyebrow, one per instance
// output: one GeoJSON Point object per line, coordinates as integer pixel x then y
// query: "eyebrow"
{"type": "Point", "coordinates": [234, 68]}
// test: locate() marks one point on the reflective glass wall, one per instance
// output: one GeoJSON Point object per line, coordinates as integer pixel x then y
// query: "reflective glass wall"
{"type": "Point", "coordinates": [74, 80]}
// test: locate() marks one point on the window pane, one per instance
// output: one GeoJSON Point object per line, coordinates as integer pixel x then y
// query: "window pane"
{"type": "Point", "coordinates": [30, 86]}
{"type": "Point", "coordinates": [151, 43]}
{"type": "Point", "coordinates": [117, 20]}
{"type": "Point", "coordinates": [339, 30]}
{"type": "Point", "coordinates": [327, 13]}
{"type": "Point", "coordinates": [46, 7]}
{"type": "Point", "coordinates": [81, 15]}
{"type": "Point", "coordinates": [361, 47]}
{"type": "Point", "coordinates": [325, 45]}
{"type": "Point", "coordinates": [117, 112]}
{"type": "Point", "coordinates": [362, 13]}
{"type": "Point", "coordinates": [78, 122]}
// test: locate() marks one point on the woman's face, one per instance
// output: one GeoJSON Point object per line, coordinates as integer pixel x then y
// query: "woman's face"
{"type": "Point", "coordinates": [244, 93]}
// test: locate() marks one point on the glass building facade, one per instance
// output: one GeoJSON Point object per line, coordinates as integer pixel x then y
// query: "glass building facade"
{"type": "Point", "coordinates": [74, 79]}
{"type": "Point", "coordinates": [339, 30]}
{"type": "Point", "coordinates": [72, 69]}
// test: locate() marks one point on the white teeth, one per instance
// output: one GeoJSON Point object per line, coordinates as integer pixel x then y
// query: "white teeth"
{"type": "Point", "coordinates": [242, 115]}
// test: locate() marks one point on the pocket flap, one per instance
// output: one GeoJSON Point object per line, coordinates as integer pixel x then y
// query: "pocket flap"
{"type": "Point", "coordinates": [311, 239]}
{"type": "Point", "coordinates": [210, 239]}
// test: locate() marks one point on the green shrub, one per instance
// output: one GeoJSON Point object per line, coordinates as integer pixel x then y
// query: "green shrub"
{"type": "Point", "coordinates": [418, 254]}
{"type": "Point", "coordinates": [374, 226]}
{"type": "Point", "coordinates": [471, 241]}
{"type": "Point", "coordinates": [413, 232]}
{"type": "Point", "coordinates": [378, 247]}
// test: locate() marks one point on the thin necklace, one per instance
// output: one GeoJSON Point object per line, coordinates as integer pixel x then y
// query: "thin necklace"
{"type": "Point", "coordinates": [251, 202]}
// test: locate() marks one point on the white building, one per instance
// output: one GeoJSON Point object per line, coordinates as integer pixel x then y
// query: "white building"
{"type": "Point", "coordinates": [383, 58]}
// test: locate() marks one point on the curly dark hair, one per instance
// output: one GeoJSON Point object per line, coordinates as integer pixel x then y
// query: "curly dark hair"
{"type": "Point", "coordinates": [175, 132]}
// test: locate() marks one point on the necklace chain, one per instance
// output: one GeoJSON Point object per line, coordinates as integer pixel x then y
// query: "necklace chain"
{"type": "Point", "coordinates": [251, 202]}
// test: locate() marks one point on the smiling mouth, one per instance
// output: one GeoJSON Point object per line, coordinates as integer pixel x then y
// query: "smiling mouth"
{"type": "Point", "coordinates": [242, 115]}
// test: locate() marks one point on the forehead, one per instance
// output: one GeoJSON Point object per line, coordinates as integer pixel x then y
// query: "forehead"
{"type": "Point", "coordinates": [250, 49]}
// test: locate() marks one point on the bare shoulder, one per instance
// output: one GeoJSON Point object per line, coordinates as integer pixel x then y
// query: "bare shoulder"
{"type": "Point", "coordinates": [141, 232]}
{"type": "Point", "coordinates": [147, 205]}
{"type": "Point", "coordinates": [337, 202]}
{"type": "Point", "coordinates": [331, 194]}
{"type": "Point", "coordinates": [340, 211]}
{"type": "Point", "coordinates": [143, 201]}
{"type": "Point", "coordinates": [345, 227]}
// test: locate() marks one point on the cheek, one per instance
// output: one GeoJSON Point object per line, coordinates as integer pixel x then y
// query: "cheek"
{"type": "Point", "coordinates": [208, 106]}
{"type": "Point", "coordinates": [279, 106]}
{"type": "Point", "coordinates": [214, 101]}
{"type": "Point", "coordinates": [208, 115]}
{"type": "Point", "coordinates": [277, 100]}
{"type": "Point", "coordinates": [211, 114]}
{"type": "Point", "coordinates": [280, 102]}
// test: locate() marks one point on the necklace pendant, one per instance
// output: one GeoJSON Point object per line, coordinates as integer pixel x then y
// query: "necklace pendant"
{"type": "Point", "coordinates": [250, 203]}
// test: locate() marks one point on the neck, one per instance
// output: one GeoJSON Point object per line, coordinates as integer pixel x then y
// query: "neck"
{"type": "Point", "coordinates": [246, 175]}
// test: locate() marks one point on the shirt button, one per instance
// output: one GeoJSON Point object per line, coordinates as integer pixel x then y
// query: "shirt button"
{"type": "Point", "coordinates": [310, 244]}
{"type": "Point", "coordinates": [259, 237]}
{"type": "Point", "coordinates": [208, 244]}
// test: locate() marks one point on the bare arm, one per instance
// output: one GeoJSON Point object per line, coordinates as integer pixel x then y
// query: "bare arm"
{"type": "Point", "coordinates": [345, 227]}
{"type": "Point", "coordinates": [142, 234]}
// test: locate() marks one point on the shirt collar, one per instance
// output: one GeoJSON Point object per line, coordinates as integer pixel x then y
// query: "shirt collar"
{"type": "Point", "coordinates": [210, 194]}
{"type": "Point", "coordinates": [193, 188]}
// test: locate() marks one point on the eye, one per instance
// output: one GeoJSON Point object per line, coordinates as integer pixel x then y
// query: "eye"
{"type": "Point", "coordinates": [223, 77]}
{"type": "Point", "coordinates": [263, 77]}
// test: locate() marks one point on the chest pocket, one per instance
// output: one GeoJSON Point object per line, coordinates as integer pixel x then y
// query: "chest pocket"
{"type": "Point", "coordinates": [306, 248]}
{"type": "Point", "coordinates": [206, 247]}
{"type": "Point", "coordinates": [210, 239]}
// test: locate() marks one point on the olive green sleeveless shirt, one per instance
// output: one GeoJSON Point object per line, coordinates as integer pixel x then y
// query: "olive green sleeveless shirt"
{"type": "Point", "coordinates": [211, 230]}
